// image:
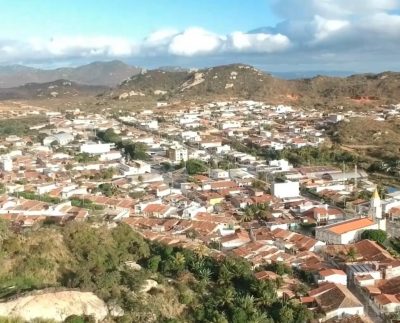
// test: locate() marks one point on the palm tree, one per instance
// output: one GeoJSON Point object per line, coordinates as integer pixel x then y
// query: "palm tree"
{"type": "Point", "coordinates": [225, 276]}
{"type": "Point", "coordinates": [260, 317]}
{"type": "Point", "coordinates": [205, 274]}
{"type": "Point", "coordinates": [179, 260]}
{"type": "Point", "coordinates": [247, 302]}
{"type": "Point", "coordinates": [201, 251]}
{"type": "Point", "coordinates": [352, 254]}
{"type": "Point", "coordinates": [225, 296]}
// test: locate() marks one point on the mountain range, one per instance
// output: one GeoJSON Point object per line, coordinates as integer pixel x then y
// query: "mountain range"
{"type": "Point", "coordinates": [118, 81]}
{"type": "Point", "coordinates": [96, 73]}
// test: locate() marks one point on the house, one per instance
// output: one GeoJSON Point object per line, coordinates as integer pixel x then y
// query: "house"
{"type": "Point", "coordinates": [335, 276]}
{"type": "Point", "coordinates": [334, 301]}
{"type": "Point", "coordinates": [219, 174]}
{"type": "Point", "coordinates": [234, 240]}
{"type": "Point", "coordinates": [177, 154]}
{"type": "Point", "coordinates": [286, 189]}
{"type": "Point", "coordinates": [61, 139]}
{"type": "Point", "coordinates": [137, 167]}
{"type": "Point", "coordinates": [387, 303]}
{"type": "Point", "coordinates": [156, 210]}
{"type": "Point", "coordinates": [344, 232]}
{"type": "Point", "coordinates": [96, 148]}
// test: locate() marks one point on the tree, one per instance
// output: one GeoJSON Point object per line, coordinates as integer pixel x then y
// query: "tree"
{"type": "Point", "coordinates": [153, 263]}
{"type": "Point", "coordinates": [5, 231]}
{"type": "Point", "coordinates": [375, 235]}
{"type": "Point", "coordinates": [286, 315]}
{"type": "Point", "coordinates": [352, 254]}
{"type": "Point", "coordinates": [195, 166]}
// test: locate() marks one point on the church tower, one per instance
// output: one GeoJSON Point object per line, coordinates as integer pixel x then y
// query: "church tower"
{"type": "Point", "coordinates": [375, 210]}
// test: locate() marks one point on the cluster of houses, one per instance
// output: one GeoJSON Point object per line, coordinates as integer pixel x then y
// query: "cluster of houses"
{"type": "Point", "coordinates": [239, 204]}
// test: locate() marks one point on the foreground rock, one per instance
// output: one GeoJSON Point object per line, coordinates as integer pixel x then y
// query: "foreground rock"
{"type": "Point", "coordinates": [56, 306]}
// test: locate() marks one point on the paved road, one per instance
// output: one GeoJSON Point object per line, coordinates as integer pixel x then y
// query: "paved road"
{"type": "Point", "coordinates": [369, 314]}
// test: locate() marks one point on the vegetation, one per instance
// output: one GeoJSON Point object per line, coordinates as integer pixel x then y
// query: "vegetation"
{"type": "Point", "coordinates": [375, 235]}
{"type": "Point", "coordinates": [20, 126]}
{"type": "Point", "coordinates": [44, 197]}
{"type": "Point", "coordinates": [195, 166]}
{"type": "Point", "coordinates": [309, 155]}
{"type": "Point", "coordinates": [87, 204]}
{"type": "Point", "coordinates": [193, 287]}
{"type": "Point", "coordinates": [86, 158]}
{"type": "Point", "coordinates": [136, 150]}
{"type": "Point", "coordinates": [259, 211]}
{"type": "Point", "coordinates": [107, 189]}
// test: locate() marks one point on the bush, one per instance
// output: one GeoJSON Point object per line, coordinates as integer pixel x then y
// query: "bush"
{"type": "Point", "coordinates": [375, 235]}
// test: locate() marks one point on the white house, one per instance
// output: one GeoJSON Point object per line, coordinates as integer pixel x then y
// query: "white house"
{"type": "Point", "coordinates": [138, 167]}
{"type": "Point", "coordinates": [335, 276]}
{"type": "Point", "coordinates": [96, 148]}
{"type": "Point", "coordinates": [177, 154]}
{"type": "Point", "coordinates": [219, 174]}
{"type": "Point", "coordinates": [286, 189]}
{"type": "Point", "coordinates": [61, 139]}
{"type": "Point", "coordinates": [335, 301]}
{"type": "Point", "coordinates": [344, 232]}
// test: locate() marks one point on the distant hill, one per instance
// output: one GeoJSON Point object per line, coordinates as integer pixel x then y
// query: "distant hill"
{"type": "Point", "coordinates": [96, 73]}
{"type": "Point", "coordinates": [238, 81]}
{"type": "Point", "coordinates": [227, 82]}
{"type": "Point", "coordinates": [60, 89]}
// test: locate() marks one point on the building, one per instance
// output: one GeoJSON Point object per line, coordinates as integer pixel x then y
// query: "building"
{"type": "Point", "coordinates": [137, 167]}
{"type": "Point", "coordinates": [344, 232]}
{"type": "Point", "coordinates": [335, 276]}
{"type": "Point", "coordinates": [334, 301]}
{"type": "Point", "coordinates": [286, 189]}
{"type": "Point", "coordinates": [177, 154]}
{"type": "Point", "coordinates": [96, 148]}
{"type": "Point", "coordinates": [61, 139]}
{"type": "Point", "coordinates": [6, 163]}
{"type": "Point", "coordinates": [375, 211]}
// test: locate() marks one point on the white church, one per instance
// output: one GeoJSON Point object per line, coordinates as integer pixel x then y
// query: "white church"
{"type": "Point", "coordinates": [349, 231]}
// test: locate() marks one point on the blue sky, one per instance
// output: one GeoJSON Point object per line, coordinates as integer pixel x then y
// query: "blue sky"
{"type": "Point", "coordinates": [355, 35]}
{"type": "Point", "coordinates": [130, 18]}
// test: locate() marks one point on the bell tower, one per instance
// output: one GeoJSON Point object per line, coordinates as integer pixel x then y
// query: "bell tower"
{"type": "Point", "coordinates": [375, 210]}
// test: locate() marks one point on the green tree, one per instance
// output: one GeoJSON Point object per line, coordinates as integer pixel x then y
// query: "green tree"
{"type": "Point", "coordinates": [286, 315]}
{"type": "Point", "coordinates": [375, 235]}
{"type": "Point", "coordinates": [195, 166]}
{"type": "Point", "coordinates": [352, 254]}
{"type": "Point", "coordinates": [153, 263]}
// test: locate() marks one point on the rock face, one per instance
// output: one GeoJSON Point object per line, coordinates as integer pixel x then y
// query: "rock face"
{"type": "Point", "coordinates": [56, 306]}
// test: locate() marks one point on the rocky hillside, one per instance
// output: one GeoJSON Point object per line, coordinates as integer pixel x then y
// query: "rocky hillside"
{"type": "Point", "coordinates": [60, 89]}
{"type": "Point", "coordinates": [96, 73]}
{"type": "Point", "coordinates": [240, 81]}
{"type": "Point", "coordinates": [221, 82]}
{"type": "Point", "coordinates": [56, 306]}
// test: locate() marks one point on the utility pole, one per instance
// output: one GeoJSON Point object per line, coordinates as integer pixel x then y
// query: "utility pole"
{"type": "Point", "coordinates": [355, 176]}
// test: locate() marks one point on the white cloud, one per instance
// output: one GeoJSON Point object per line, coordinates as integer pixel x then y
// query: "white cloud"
{"type": "Point", "coordinates": [326, 27]}
{"type": "Point", "coordinates": [311, 31]}
{"type": "Point", "coordinates": [160, 37]}
{"type": "Point", "coordinates": [258, 42]}
{"type": "Point", "coordinates": [195, 41]}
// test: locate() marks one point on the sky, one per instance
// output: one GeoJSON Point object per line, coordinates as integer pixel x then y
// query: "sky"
{"type": "Point", "coordinates": [275, 35]}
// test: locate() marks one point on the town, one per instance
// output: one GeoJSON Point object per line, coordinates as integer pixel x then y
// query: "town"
{"type": "Point", "coordinates": [234, 178]}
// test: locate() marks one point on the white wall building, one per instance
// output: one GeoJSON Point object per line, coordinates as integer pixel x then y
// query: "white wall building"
{"type": "Point", "coordinates": [96, 148]}
{"type": "Point", "coordinates": [61, 139]}
{"type": "Point", "coordinates": [177, 154]}
{"type": "Point", "coordinates": [286, 189]}
{"type": "Point", "coordinates": [138, 167]}
{"type": "Point", "coordinates": [344, 232]}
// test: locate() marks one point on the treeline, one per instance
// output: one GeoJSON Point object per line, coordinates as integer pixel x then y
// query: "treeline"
{"type": "Point", "coordinates": [136, 150]}
{"type": "Point", "coordinates": [310, 155]}
{"type": "Point", "coordinates": [20, 126]}
{"type": "Point", "coordinates": [193, 286]}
